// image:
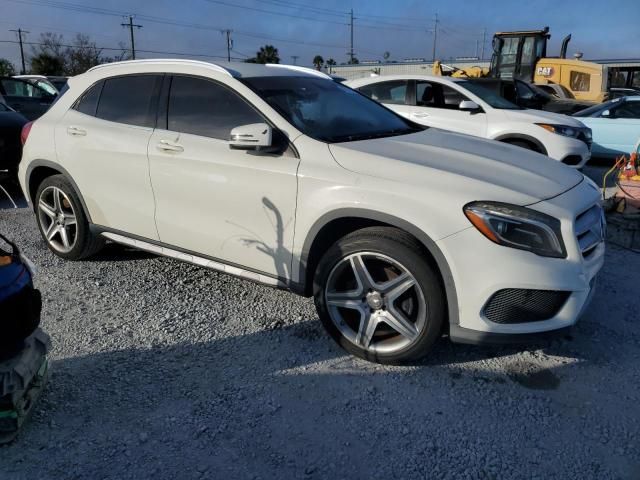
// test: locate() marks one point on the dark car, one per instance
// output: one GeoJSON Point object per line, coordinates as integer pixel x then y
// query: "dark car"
{"type": "Point", "coordinates": [527, 95]}
{"type": "Point", "coordinates": [11, 123]}
{"type": "Point", "coordinates": [25, 97]}
{"type": "Point", "coordinates": [619, 92]}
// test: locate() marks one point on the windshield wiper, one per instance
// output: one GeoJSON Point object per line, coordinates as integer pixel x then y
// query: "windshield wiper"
{"type": "Point", "coordinates": [370, 136]}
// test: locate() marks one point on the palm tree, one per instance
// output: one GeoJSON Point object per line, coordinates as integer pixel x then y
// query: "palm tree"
{"type": "Point", "coordinates": [266, 54]}
{"type": "Point", "coordinates": [318, 61]}
{"type": "Point", "coordinates": [330, 63]}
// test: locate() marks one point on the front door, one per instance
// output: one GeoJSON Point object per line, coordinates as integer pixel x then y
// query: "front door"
{"type": "Point", "coordinates": [437, 105]}
{"type": "Point", "coordinates": [234, 205]}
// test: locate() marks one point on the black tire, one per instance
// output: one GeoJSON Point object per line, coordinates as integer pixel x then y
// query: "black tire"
{"type": "Point", "coordinates": [523, 144]}
{"type": "Point", "coordinates": [405, 250]}
{"type": "Point", "coordinates": [86, 243]}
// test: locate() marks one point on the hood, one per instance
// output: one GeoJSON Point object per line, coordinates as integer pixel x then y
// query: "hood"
{"type": "Point", "coordinates": [567, 107]}
{"type": "Point", "coordinates": [540, 116]}
{"type": "Point", "coordinates": [479, 169]}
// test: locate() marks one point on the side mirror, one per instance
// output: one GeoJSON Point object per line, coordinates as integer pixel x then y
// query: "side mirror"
{"type": "Point", "coordinates": [469, 106]}
{"type": "Point", "coordinates": [606, 114]}
{"type": "Point", "coordinates": [255, 136]}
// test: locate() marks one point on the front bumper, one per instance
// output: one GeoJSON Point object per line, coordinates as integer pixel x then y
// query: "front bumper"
{"type": "Point", "coordinates": [571, 151]}
{"type": "Point", "coordinates": [481, 268]}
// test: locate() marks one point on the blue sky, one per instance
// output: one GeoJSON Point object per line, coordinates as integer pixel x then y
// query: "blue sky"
{"type": "Point", "coordinates": [601, 29]}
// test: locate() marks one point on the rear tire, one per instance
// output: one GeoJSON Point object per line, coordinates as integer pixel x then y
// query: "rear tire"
{"type": "Point", "coordinates": [62, 221]}
{"type": "Point", "coordinates": [379, 296]}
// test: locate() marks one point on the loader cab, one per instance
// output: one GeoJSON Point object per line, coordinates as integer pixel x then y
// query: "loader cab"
{"type": "Point", "coordinates": [516, 54]}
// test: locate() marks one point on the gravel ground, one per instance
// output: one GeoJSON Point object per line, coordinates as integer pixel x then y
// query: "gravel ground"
{"type": "Point", "coordinates": [162, 369]}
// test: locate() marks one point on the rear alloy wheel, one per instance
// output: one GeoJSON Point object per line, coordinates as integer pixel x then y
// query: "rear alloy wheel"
{"type": "Point", "coordinates": [62, 221]}
{"type": "Point", "coordinates": [378, 296]}
{"type": "Point", "coordinates": [57, 219]}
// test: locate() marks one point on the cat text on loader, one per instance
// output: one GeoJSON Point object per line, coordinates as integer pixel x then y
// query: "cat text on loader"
{"type": "Point", "coordinates": [523, 55]}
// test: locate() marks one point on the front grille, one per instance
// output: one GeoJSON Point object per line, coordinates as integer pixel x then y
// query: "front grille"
{"type": "Point", "coordinates": [519, 305]}
{"type": "Point", "coordinates": [590, 229]}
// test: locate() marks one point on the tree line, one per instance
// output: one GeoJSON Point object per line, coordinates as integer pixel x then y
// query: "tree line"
{"type": "Point", "coordinates": [52, 55]}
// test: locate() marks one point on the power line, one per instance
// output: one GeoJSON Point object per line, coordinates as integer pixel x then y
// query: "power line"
{"type": "Point", "coordinates": [133, 43]}
{"type": "Point", "coordinates": [119, 49]}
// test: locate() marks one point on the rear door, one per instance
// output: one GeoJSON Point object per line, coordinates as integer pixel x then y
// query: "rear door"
{"type": "Point", "coordinates": [102, 141]}
{"type": "Point", "coordinates": [394, 94]}
{"type": "Point", "coordinates": [26, 98]}
{"type": "Point", "coordinates": [232, 205]}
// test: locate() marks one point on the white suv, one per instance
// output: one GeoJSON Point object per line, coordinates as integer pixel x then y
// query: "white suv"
{"type": "Point", "coordinates": [465, 106]}
{"type": "Point", "coordinates": [282, 176]}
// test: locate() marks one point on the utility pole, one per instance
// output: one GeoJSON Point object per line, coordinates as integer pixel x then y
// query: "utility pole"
{"type": "Point", "coordinates": [20, 32]}
{"type": "Point", "coordinates": [229, 43]}
{"type": "Point", "coordinates": [351, 49]}
{"type": "Point", "coordinates": [484, 41]}
{"type": "Point", "coordinates": [295, 59]}
{"type": "Point", "coordinates": [133, 43]}
{"type": "Point", "coordinates": [435, 36]}
{"type": "Point", "coordinates": [477, 48]}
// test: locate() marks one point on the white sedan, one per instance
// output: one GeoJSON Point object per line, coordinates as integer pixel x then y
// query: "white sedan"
{"type": "Point", "coordinates": [464, 106]}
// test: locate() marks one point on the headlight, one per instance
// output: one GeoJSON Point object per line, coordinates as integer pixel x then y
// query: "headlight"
{"type": "Point", "coordinates": [561, 129]}
{"type": "Point", "coordinates": [517, 227]}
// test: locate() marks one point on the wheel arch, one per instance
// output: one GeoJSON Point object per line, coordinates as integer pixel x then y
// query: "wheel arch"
{"type": "Point", "coordinates": [505, 137]}
{"type": "Point", "coordinates": [335, 224]}
{"type": "Point", "coordinates": [38, 170]}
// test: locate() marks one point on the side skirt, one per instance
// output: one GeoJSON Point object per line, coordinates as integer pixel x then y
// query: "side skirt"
{"type": "Point", "coordinates": [200, 261]}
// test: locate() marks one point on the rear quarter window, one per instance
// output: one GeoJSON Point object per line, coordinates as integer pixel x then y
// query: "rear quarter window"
{"type": "Point", "coordinates": [129, 100]}
{"type": "Point", "coordinates": [88, 102]}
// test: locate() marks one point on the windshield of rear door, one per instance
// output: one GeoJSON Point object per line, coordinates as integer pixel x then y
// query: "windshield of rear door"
{"type": "Point", "coordinates": [329, 111]}
{"type": "Point", "coordinates": [489, 96]}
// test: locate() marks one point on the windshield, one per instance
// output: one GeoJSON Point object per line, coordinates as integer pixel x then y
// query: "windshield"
{"type": "Point", "coordinates": [329, 111]}
{"type": "Point", "coordinates": [596, 109]}
{"type": "Point", "coordinates": [490, 97]}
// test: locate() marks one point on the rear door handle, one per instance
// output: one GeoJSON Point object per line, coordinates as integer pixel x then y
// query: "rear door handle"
{"type": "Point", "coordinates": [168, 146]}
{"type": "Point", "coordinates": [76, 132]}
{"type": "Point", "coordinates": [419, 115]}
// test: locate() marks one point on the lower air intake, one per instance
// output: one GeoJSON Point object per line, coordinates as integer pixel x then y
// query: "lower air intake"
{"type": "Point", "coordinates": [517, 305]}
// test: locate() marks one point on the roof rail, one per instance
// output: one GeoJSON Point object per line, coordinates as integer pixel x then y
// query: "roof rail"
{"type": "Point", "coordinates": [174, 61]}
{"type": "Point", "coordinates": [310, 71]}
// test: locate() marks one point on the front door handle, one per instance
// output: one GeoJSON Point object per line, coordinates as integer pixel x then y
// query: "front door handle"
{"type": "Point", "coordinates": [168, 146]}
{"type": "Point", "coordinates": [76, 132]}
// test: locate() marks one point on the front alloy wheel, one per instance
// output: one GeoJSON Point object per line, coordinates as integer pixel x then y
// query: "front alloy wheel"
{"type": "Point", "coordinates": [380, 296]}
{"type": "Point", "coordinates": [374, 302]}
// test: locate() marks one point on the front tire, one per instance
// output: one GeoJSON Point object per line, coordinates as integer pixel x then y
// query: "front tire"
{"type": "Point", "coordinates": [62, 221]}
{"type": "Point", "coordinates": [379, 296]}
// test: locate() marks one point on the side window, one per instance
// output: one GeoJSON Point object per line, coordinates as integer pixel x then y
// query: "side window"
{"type": "Point", "coordinates": [452, 98]}
{"type": "Point", "coordinates": [129, 100]}
{"type": "Point", "coordinates": [88, 102]}
{"type": "Point", "coordinates": [394, 91]}
{"type": "Point", "coordinates": [628, 110]}
{"type": "Point", "coordinates": [580, 81]}
{"type": "Point", "coordinates": [202, 107]}
{"type": "Point", "coordinates": [425, 94]}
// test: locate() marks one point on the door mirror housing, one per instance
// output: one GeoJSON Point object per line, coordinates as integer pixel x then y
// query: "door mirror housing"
{"type": "Point", "coordinates": [469, 106]}
{"type": "Point", "coordinates": [606, 114]}
{"type": "Point", "coordinates": [255, 136]}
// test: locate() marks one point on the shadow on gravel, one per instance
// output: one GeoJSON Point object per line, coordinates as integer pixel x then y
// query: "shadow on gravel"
{"type": "Point", "coordinates": [272, 404]}
{"type": "Point", "coordinates": [114, 252]}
